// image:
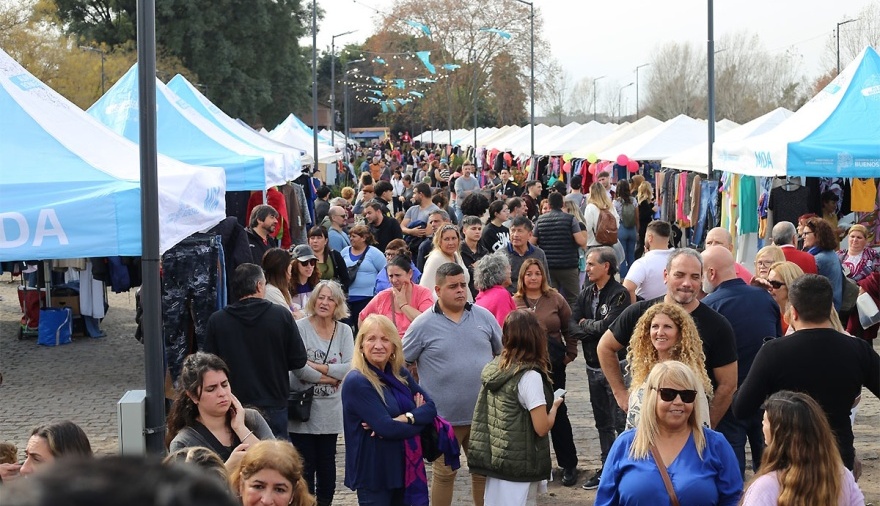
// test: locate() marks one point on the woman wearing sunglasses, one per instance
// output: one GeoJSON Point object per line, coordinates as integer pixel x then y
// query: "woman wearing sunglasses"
{"type": "Point", "coordinates": [665, 332]}
{"type": "Point", "coordinates": [304, 276]}
{"type": "Point", "coordinates": [781, 275]}
{"type": "Point", "coordinates": [669, 453]}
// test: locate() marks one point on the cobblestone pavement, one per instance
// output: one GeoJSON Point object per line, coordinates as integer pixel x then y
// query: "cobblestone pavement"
{"type": "Point", "coordinates": [84, 380]}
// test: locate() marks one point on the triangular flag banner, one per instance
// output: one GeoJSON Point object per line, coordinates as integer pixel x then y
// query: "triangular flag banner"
{"type": "Point", "coordinates": [420, 26]}
{"type": "Point", "coordinates": [403, 101]}
{"type": "Point", "coordinates": [392, 106]}
{"type": "Point", "coordinates": [400, 83]}
{"type": "Point", "coordinates": [378, 80]}
{"type": "Point", "coordinates": [426, 80]}
{"type": "Point", "coordinates": [374, 100]}
{"type": "Point", "coordinates": [425, 56]}
{"type": "Point", "coordinates": [384, 107]}
{"type": "Point", "coordinates": [451, 66]}
{"type": "Point", "coordinates": [379, 60]}
{"type": "Point", "coordinates": [377, 92]}
{"type": "Point", "coordinates": [495, 30]}
{"type": "Point", "coordinates": [417, 94]}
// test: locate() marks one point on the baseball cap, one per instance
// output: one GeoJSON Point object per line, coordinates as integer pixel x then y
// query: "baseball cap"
{"type": "Point", "coordinates": [303, 253]}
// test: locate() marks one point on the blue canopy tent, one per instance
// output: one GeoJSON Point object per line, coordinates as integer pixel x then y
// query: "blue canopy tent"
{"type": "Point", "coordinates": [185, 135]}
{"type": "Point", "coordinates": [70, 188]}
{"type": "Point", "coordinates": [200, 103]}
{"type": "Point", "coordinates": [847, 142]}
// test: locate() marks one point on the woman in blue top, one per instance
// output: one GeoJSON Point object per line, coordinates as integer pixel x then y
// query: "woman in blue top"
{"type": "Point", "coordinates": [820, 241]}
{"type": "Point", "coordinates": [363, 283]}
{"type": "Point", "coordinates": [700, 462]}
{"type": "Point", "coordinates": [383, 412]}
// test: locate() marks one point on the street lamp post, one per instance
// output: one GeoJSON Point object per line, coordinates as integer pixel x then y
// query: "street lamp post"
{"type": "Point", "coordinates": [474, 63]}
{"type": "Point", "coordinates": [619, 95]}
{"type": "Point", "coordinates": [637, 87]}
{"type": "Point", "coordinates": [594, 95]}
{"type": "Point", "coordinates": [838, 41]}
{"type": "Point", "coordinates": [104, 56]}
{"type": "Point", "coordinates": [710, 71]}
{"type": "Point", "coordinates": [314, 85]}
{"type": "Point", "coordinates": [333, 85]}
{"type": "Point", "coordinates": [531, 75]}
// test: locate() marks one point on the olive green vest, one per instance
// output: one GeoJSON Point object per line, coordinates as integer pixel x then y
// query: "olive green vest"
{"type": "Point", "coordinates": [503, 442]}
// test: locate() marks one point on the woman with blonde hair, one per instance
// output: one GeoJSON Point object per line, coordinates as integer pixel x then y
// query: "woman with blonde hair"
{"type": "Point", "coordinates": [702, 468]}
{"type": "Point", "coordinates": [447, 242]}
{"type": "Point", "coordinates": [859, 259]}
{"type": "Point", "coordinates": [271, 473]}
{"type": "Point", "coordinates": [665, 332]}
{"type": "Point", "coordinates": [801, 464]}
{"type": "Point", "coordinates": [596, 202]}
{"type": "Point", "coordinates": [384, 410]}
{"type": "Point", "coordinates": [328, 344]}
{"type": "Point", "coordinates": [764, 259]}
{"type": "Point", "coordinates": [780, 277]}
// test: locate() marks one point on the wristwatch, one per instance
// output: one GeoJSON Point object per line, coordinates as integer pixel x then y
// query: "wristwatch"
{"type": "Point", "coordinates": [410, 417]}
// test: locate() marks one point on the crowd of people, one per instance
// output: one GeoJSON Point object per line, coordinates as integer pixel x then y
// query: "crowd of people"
{"type": "Point", "coordinates": [435, 309]}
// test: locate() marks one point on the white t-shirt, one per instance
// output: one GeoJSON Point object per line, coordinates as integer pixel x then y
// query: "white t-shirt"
{"type": "Point", "coordinates": [502, 492]}
{"type": "Point", "coordinates": [647, 274]}
{"type": "Point", "coordinates": [764, 491]}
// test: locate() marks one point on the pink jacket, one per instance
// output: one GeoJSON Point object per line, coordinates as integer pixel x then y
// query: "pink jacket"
{"type": "Point", "coordinates": [498, 301]}
{"type": "Point", "coordinates": [422, 299]}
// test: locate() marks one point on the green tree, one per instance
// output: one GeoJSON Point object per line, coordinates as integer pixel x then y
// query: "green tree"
{"type": "Point", "coordinates": [245, 52]}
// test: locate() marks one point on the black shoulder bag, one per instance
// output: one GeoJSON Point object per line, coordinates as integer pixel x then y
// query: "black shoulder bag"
{"type": "Point", "coordinates": [299, 404]}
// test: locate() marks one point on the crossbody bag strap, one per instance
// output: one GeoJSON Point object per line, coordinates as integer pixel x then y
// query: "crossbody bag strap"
{"type": "Point", "coordinates": [327, 354]}
{"type": "Point", "coordinates": [666, 481]}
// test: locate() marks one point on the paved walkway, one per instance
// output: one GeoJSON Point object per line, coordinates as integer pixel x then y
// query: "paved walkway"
{"type": "Point", "coordinates": [84, 380]}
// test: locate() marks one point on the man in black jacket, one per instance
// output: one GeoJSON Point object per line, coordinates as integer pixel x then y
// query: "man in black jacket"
{"type": "Point", "coordinates": [597, 306]}
{"type": "Point", "coordinates": [260, 343]}
{"type": "Point", "coordinates": [262, 224]}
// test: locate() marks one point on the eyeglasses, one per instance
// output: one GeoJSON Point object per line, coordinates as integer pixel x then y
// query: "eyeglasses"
{"type": "Point", "coordinates": [807, 233]}
{"type": "Point", "coordinates": [776, 284]}
{"type": "Point", "coordinates": [313, 262]}
{"type": "Point", "coordinates": [669, 394]}
{"type": "Point", "coordinates": [763, 263]}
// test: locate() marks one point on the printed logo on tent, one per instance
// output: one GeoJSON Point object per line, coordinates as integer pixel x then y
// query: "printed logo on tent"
{"type": "Point", "coordinates": [212, 199]}
{"type": "Point", "coordinates": [182, 104]}
{"type": "Point", "coordinates": [763, 159]}
{"type": "Point", "coordinates": [727, 156]}
{"type": "Point", "coordinates": [26, 82]}
{"type": "Point", "coordinates": [844, 160]}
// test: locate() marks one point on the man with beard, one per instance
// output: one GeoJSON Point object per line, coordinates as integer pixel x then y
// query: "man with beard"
{"type": "Point", "coordinates": [263, 221]}
{"type": "Point", "coordinates": [683, 277]}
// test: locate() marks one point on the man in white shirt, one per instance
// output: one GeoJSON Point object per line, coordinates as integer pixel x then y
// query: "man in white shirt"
{"type": "Point", "coordinates": [645, 277]}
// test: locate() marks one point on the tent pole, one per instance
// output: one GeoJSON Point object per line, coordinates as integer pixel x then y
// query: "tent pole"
{"type": "Point", "coordinates": [154, 362]}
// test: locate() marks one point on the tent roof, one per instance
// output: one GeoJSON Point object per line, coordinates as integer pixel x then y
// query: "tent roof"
{"type": "Point", "coordinates": [695, 158]}
{"type": "Point", "coordinates": [185, 135]}
{"type": "Point", "coordinates": [847, 143]}
{"type": "Point", "coordinates": [71, 188]}
{"type": "Point", "coordinates": [200, 103]}
{"type": "Point", "coordinates": [573, 139]}
{"type": "Point", "coordinates": [291, 133]}
{"type": "Point", "coordinates": [767, 154]}
{"type": "Point", "coordinates": [680, 132]}
{"type": "Point", "coordinates": [622, 133]}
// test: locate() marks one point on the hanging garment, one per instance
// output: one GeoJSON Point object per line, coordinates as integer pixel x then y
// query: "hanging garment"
{"type": "Point", "coordinates": [190, 272]}
{"type": "Point", "coordinates": [864, 195]}
{"type": "Point", "coordinates": [275, 199]}
{"type": "Point", "coordinates": [748, 205]}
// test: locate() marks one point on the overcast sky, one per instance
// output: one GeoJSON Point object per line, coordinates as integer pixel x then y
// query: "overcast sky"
{"type": "Point", "coordinates": [594, 38]}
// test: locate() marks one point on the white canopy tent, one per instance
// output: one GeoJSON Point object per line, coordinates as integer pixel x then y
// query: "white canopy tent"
{"type": "Point", "coordinates": [676, 134]}
{"type": "Point", "coordinates": [571, 140]}
{"type": "Point", "coordinates": [499, 134]}
{"type": "Point", "coordinates": [290, 133]}
{"type": "Point", "coordinates": [623, 133]}
{"type": "Point", "coordinates": [695, 159]}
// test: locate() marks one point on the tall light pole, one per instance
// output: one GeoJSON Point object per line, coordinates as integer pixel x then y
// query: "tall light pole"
{"type": "Point", "coordinates": [346, 122]}
{"type": "Point", "coordinates": [838, 40]}
{"type": "Point", "coordinates": [333, 86]}
{"type": "Point", "coordinates": [619, 95]}
{"type": "Point", "coordinates": [474, 63]}
{"type": "Point", "coordinates": [314, 85]}
{"type": "Point", "coordinates": [594, 95]}
{"type": "Point", "coordinates": [531, 75]}
{"type": "Point", "coordinates": [637, 87]}
{"type": "Point", "coordinates": [104, 56]}
{"type": "Point", "coordinates": [710, 59]}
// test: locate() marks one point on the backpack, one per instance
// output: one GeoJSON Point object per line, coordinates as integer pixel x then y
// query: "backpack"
{"type": "Point", "coordinates": [628, 214]}
{"type": "Point", "coordinates": [606, 228]}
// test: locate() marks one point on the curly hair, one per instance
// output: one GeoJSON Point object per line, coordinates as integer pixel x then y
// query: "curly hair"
{"type": "Point", "coordinates": [825, 238]}
{"type": "Point", "coordinates": [802, 450]}
{"type": "Point", "coordinates": [642, 356]}
{"type": "Point", "coordinates": [474, 204]}
{"type": "Point", "coordinates": [491, 270]}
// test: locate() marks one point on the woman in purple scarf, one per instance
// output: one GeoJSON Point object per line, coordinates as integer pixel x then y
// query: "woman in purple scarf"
{"type": "Point", "coordinates": [384, 410]}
